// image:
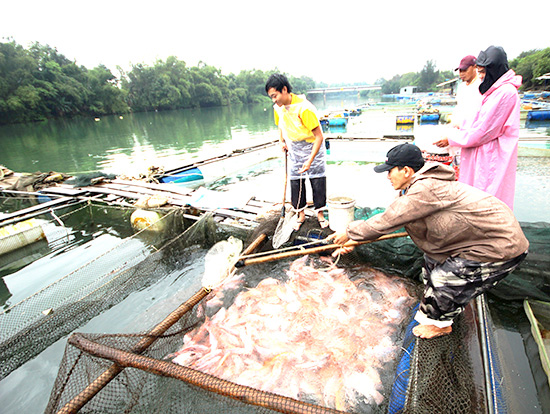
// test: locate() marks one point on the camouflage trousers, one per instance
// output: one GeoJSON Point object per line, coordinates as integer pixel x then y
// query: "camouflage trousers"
{"type": "Point", "coordinates": [449, 286]}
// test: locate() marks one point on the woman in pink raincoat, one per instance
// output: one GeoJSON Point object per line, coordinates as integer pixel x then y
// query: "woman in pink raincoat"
{"type": "Point", "coordinates": [490, 145]}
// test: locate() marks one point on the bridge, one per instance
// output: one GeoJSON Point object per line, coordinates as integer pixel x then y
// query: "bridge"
{"type": "Point", "coordinates": [345, 89]}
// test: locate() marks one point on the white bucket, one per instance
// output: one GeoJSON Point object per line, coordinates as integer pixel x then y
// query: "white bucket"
{"type": "Point", "coordinates": [341, 212]}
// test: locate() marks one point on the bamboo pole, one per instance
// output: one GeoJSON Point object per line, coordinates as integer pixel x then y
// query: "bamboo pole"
{"type": "Point", "coordinates": [313, 250]}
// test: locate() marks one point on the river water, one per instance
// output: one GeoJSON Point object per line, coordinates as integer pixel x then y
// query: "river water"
{"type": "Point", "coordinates": [132, 143]}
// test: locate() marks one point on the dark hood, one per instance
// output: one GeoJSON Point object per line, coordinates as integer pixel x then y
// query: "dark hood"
{"type": "Point", "coordinates": [495, 62]}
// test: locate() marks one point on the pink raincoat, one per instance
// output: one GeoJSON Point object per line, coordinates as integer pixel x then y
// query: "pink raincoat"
{"type": "Point", "coordinates": [490, 146]}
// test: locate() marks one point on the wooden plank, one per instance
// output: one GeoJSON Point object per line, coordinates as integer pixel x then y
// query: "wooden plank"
{"type": "Point", "coordinates": [159, 187]}
{"type": "Point", "coordinates": [38, 207]}
{"type": "Point", "coordinates": [140, 191]}
{"type": "Point", "coordinates": [4, 221]}
{"type": "Point", "coordinates": [235, 214]}
{"type": "Point", "coordinates": [137, 193]}
{"type": "Point", "coordinates": [261, 204]}
{"type": "Point", "coordinates": [251, 209]}
{"type": "Point", "coordinates": [126, 194]}
{"type": "Point", "coordinates": [66, 191]}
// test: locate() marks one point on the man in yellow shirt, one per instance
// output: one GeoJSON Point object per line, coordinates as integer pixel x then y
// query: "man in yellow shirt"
{"type": "Point", "coordinates": [302, 137]}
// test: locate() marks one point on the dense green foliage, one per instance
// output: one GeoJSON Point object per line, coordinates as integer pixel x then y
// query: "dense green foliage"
{"type": "Point", "coordinates": [40, 83]}
{"type": "Point", "coordinates": [530, 65]}
{"type": "Point", "coordinates": [173, 85]}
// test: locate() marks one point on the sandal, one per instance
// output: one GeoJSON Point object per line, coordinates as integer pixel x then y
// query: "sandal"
{"type": "Point", "coordinates": [323, 223]}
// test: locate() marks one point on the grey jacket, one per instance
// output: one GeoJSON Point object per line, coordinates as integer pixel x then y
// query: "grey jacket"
{"type": "Point", "coordinates": [446, 218]}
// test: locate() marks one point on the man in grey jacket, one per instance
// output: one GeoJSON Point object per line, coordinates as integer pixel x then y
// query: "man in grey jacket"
{"type": "Point", "coordinates": [470, 239]}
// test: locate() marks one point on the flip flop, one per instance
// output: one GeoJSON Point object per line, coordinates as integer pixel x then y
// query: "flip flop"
{"type": "Point", "coordinates": [323, 223]}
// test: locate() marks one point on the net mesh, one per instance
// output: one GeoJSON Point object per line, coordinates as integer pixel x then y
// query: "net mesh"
{"type": "Point", "coordinates": [34, 323]}
{"type": "Point", "coordinates": [131, 373]}
{"type": "Point", "coordinates": [178, 388]}
{"type": "Point", "coordinates": [441, 375]}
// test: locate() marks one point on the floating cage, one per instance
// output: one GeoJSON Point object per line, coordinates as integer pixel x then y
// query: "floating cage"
{"type": "Point", "coordinates": [130, 372]}
{"type": "Point", "coordinates": [112, 373]}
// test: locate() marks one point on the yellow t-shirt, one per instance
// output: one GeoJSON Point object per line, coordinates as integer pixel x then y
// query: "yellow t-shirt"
{"type": "Point", "coordinates": [297, 120]}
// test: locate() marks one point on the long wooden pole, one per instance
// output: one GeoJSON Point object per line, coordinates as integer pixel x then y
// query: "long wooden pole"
{"type": "Point", "coordinates": [109, 374]}
{"type": "Point", "coordinates": [313, 250]}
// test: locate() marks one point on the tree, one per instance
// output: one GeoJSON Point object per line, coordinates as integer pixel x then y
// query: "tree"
{"type": "Point", "coordinates": [104, 95]}
{"type": "Point", "coordinates": [531, 65]}
{"type": "Point", "coordinates": [428, 77]}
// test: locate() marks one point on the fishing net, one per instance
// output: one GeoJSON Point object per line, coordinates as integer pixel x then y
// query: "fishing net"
{"type": "Point", "coordinates": [113, 373]}
{"type": "Point", "coordinates": [532, 278]}
{"type": "Point", "coordinates": [443, 375]}
{"type": "Point", "coordinates": [136, 261]}
{"type": "Point", "coordinates": [36, 181]}
{"type": "Point", "coordinates": [152, 383]}
{"type": "Point", "coordinates": [398, 256]}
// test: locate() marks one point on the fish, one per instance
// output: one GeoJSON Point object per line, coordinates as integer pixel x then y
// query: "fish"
{"type": "Point", "coordinates": [312, 334]}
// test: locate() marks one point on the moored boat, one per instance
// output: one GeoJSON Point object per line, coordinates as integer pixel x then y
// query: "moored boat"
{"type": "Point", "coordinates": [404, 119]}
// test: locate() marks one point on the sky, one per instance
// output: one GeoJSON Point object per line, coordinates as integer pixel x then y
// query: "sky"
{"type": "Point", "coordinates": [330, 41]}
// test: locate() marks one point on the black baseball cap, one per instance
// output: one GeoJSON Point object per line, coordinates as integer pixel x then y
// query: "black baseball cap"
{"type": "Point", "coordinates": [400, 156]}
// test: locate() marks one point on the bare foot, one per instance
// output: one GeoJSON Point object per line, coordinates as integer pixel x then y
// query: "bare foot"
{"type": "Point", "coordinates": [431, 331]}
{"type": "Point", "coordinates": [299, 221]}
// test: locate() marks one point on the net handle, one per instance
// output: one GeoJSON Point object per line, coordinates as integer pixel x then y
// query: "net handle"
{"type": "Point", "coordinates": [191, 376]}
{"type": "Point", "coordinates": [313, 250]}
{"type": "Point", "coordinates": [109, 374]}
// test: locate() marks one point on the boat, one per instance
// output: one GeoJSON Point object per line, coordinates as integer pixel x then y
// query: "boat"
{"type": "Point", "coordinates": [404, 119]}
{"type": "Point", "coordinates": [337, 118]}
{"type": "Point", "coordinates": [337, 121]}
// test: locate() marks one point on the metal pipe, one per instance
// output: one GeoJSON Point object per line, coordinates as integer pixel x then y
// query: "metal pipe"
{"type": "Point", "coordinates": [489, 386]}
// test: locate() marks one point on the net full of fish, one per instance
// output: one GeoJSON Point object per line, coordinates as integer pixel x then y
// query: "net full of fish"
{"type": "Point", "coordinates": [317, 337]}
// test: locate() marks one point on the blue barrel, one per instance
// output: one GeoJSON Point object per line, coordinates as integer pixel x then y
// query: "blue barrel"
{"type": "Point", "coordinates": [192, 174]}
{"type": "Point", "coordinates": [538, 115]}
{"type": "Point", "coordinates": [429, 117]}
{"type": "Point", "coordinates": [337, 121]}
